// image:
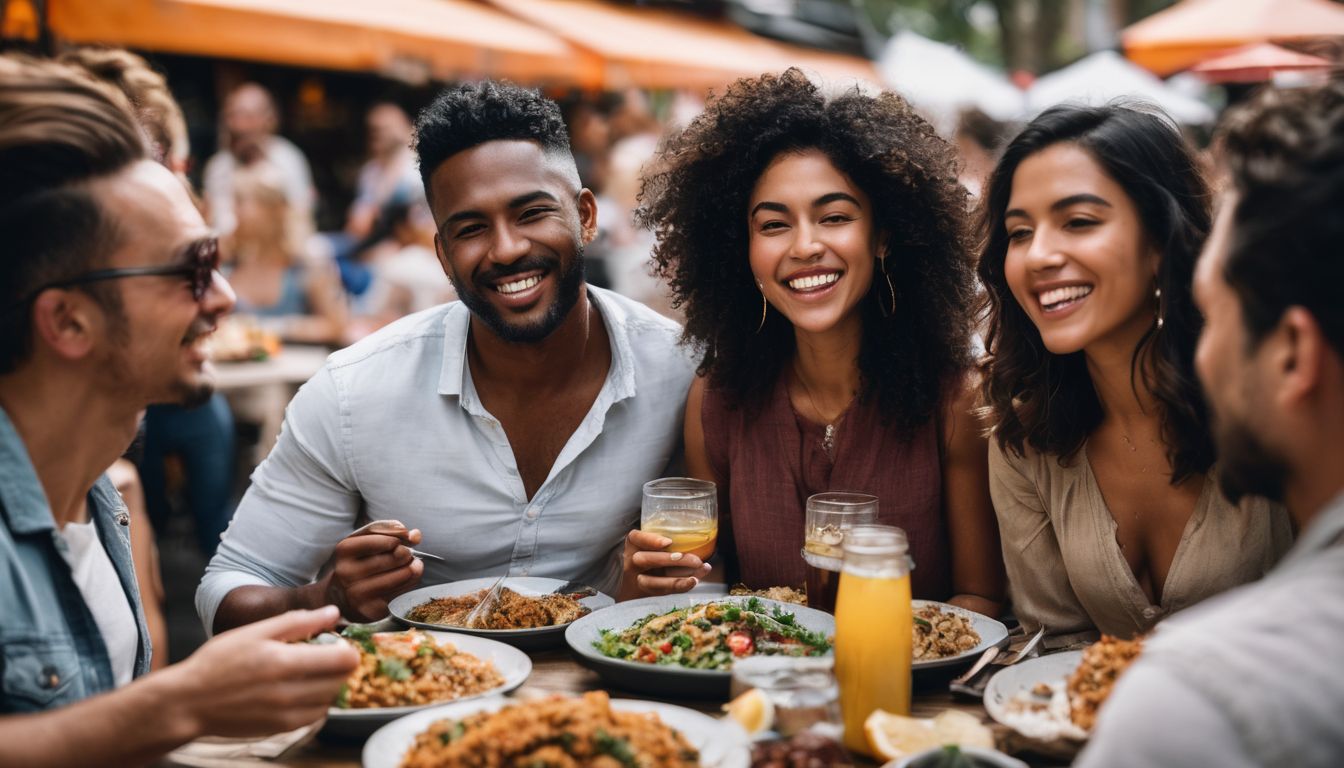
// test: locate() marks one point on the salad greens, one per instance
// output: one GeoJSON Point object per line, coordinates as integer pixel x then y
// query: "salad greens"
{"type": "Point", "coordinates": [711, 635]}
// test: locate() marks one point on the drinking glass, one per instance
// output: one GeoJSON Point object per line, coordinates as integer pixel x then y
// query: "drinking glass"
{"type": "Point", "coordinates": [684, 510]}
{"type": "Point", "coordinates": [829, 516]}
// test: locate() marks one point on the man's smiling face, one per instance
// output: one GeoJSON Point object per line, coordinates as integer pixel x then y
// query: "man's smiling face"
{"type": "Point", "coordinates": [512, 223]}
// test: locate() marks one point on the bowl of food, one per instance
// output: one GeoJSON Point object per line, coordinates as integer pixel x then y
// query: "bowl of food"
{"type": "Point", "coordinates": [402, 672]}
{"type": "Point", "coordinates": [682, 645]}
{"type": "Point", "coordinates": [588, 730]}
{"type": "Point", "coordinates": [529, 614]}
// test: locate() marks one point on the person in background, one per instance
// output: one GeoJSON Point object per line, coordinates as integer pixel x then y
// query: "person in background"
{"type": "Point", "coordinates": [1255, 677]}
{"type": "Point", "coordinates": [407, 278]}
{"type": "Point", "coordinates": [250, 124]}
{"type": "Point", "coordinates": [514, 427]}
{"type": "Point", "coordinates": [1102, 463]}
{"type": "Point", "coordinates": [299, 297]}
{"type": "Point", "coordinates": [978, 139]}
{"type": "Point", "coordinates": [107, 292]}
{"type": "Point", "coordinates": [820, 250]}
{"type": "Point", "coordinates": [389, 176]}
{"type": "Point", "coordinates": [155, 108]}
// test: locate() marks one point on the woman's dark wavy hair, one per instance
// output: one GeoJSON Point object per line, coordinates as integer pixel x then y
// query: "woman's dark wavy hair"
{"type": "Point", "coordinates": [695, 196]}
{"type": "Point", "coordinates": [1047, 401]}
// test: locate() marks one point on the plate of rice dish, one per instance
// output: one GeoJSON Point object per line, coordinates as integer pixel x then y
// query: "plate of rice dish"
{"type": "Point", "coordinates": [949, 636]}
{"type": "Point", "coordinates": [684, 645]}
{"type": "Point", "coordinates": [1056, 698]}
{"type": "Point", "coordinates": [591, 730]}
{"type": "Point", "coordinates": [529, 614]}
{"type": "Point", "coordinates": [402, 672]}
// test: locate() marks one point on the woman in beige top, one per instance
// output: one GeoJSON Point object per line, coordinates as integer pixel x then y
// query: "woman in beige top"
{"type": "Point", "coordinates": [1101, 467]}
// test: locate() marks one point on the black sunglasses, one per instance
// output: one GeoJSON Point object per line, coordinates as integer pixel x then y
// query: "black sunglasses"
{"type": "Point", "coordinates": [197, 262]}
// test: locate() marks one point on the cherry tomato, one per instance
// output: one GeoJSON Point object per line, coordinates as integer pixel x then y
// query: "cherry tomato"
{"type": "Point", "coordinates": [740, 643]}
{"type": "Point", "coordinates": [666, 647]}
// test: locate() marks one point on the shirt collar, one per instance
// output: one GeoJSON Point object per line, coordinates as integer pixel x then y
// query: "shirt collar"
{"type": "Point", "coordinates": [22, 498]}
{"type": "Point", "coordinates": [1321, 533]}
{"type": "Point", "coordinates": [455, 374]}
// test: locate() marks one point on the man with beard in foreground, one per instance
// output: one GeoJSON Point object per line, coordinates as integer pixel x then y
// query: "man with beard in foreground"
{"type": "Point", "coordinates": [510, 432]}
{"type": "Point", "coordinates": [1256, 677]}
{"type": "Point", "coordinates": [107, 289]}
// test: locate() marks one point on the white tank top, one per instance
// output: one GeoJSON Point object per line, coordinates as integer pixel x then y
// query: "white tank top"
{"type": "Point", "coordinates": [97, 580]}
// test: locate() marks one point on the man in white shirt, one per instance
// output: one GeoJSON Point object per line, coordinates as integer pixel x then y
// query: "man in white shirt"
{"type": "Point", "coordinates": [1255, 677]}
{"type": "Point", "coordinates": [250, 124]}
{"type": "Point", "coordinates": [108, 288]}
{"type": "Point", "coordinates": [514, 428]}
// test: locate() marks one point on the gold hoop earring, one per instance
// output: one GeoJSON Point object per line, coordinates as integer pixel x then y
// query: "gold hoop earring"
{"type": "Point", "coordinates": [1157, 294]}
{"type": "Point", "coordinates": [764, 306]}
{"type": "Point", "coordinates": [891, 291]}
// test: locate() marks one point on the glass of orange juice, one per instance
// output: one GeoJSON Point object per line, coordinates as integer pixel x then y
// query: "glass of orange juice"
{"type": "Point", "coordinates": [873, 619]}
{"type": "Point", "coordinates": [684, 510]}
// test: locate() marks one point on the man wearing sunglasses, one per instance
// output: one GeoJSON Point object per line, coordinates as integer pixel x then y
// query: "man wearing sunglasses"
{"type": "Point", "coordinates": [107, 291]}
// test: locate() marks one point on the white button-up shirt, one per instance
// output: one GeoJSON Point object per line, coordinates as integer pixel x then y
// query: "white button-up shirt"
{"type": "Point", "coordinates": [393, 427]}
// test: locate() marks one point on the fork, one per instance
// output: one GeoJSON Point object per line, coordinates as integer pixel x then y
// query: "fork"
{"type": "Point", "coordinates": [973, 682]}
{"type": "Point", "coordinates": [486, 605]}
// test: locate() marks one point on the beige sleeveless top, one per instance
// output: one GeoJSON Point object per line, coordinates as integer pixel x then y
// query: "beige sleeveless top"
{"type": "Point", "coordinates": [1066, 572]}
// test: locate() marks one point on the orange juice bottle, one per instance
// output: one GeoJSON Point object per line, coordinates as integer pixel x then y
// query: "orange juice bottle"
{"type": "Point", "coordinates": [873, 629]}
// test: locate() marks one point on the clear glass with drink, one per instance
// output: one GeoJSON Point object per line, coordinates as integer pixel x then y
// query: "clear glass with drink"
{"type": "Point", "coordinates": [829, 516]}
{"type": "Point", "coordinates": [873, 619]}
{"type": "Point", "coordinates": [684, 510]}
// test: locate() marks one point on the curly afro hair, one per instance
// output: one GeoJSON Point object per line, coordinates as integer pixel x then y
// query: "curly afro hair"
{"type": "Point", "coordinates": [472, 114]}
{"type": "Point", "coordinates": [695, 197]}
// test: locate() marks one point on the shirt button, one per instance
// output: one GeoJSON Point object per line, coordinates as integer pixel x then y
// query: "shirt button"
{"type": "Point", "coordinates": [532, 513]}
{"type": "Point", "coordinates": [525, 571]}
{"type": "Point", "coordinates": [1151, 612]}
{"type": "Point", "coordinates": [48, 678]}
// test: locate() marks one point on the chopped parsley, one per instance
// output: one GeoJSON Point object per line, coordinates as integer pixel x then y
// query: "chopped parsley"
{"type": "Point", "coordinates": [394, 668]}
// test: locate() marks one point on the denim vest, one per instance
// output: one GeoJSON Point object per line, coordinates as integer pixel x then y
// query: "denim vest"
{"type": "Point", "coordinates": [51, 652]}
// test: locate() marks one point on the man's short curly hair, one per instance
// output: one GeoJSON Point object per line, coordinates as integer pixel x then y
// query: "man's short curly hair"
{"type": "Point", "coordinates": [695, 197]}
{"type": "Point", "coordinates": [472, 114]}
{"type": "Point", "coordinates": [1285, 154]}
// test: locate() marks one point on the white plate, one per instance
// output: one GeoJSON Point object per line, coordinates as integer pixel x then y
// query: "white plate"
{"type": "Point", "coordinates": [531, 639]}
{"type": "Point", "coordinates": [721, 744]}
{"type": "Point", "coordinates": [1023, 676]}
{"type": "Point", "coordinates": [513, 665]}
{"type": "Point", "coordinates": [992, 633]}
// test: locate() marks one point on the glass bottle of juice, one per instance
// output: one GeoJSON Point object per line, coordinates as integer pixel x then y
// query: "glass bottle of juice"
{"type": "Point", "coordinates": [873, 628]}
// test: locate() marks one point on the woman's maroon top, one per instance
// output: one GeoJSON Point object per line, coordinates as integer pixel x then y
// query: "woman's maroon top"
{"type": "Point", "coordinates": [767, 463]}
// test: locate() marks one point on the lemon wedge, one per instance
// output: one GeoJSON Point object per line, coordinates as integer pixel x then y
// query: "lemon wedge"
{"type": "Point", "coordinates": [895, 736]}
{"type": "Point", "coordinates": [752, 710]}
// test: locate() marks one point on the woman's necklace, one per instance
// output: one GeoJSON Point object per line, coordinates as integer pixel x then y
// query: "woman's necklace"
{"type": "Point", "coordinates": [828, 438]}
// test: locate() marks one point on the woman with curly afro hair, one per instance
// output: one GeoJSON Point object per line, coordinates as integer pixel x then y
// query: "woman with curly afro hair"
{"type": "Point", "coordinates": [819, 250]}
{"type": "Point", "coordinates": [1102, 465]}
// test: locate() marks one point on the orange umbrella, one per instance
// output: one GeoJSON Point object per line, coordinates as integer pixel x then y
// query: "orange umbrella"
{"type": "Point", "coordinates": [1194, 30]}
{"type": "Point", "coordinates": [661, 48]}
{"type": "Point", "coordinates": [1257, 63]}
{"type": "Point", "coordinates": [413, 39]}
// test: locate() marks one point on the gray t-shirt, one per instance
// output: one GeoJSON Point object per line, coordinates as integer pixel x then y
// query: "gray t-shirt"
{"type": "Point", "coordinates": [1254, 677]}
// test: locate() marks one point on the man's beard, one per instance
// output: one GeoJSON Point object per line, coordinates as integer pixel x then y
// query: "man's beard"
{"type": "Point", "coordinates": [568, 285]}
{"type": "Point", "coordinates": [1246, 466]}
{"type": "Point", "coordinates": [128, 379]}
